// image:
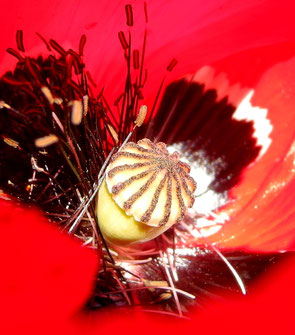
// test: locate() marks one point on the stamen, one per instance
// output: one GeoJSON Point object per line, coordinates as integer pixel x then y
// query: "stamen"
{"type": "Point", "coordinates": [163, 297]}
{"type": "Point", "coordinates": [58, 101]}
{"type": "Point", "coordinates": [129, 15]}
{"type": "Point", "coordinates": [48, 95]}
{"type": "Point", "coordinates": [46, 141]}
{"type": "Point", "coordinates": [19, 40]}
{"type": "Point", "coordinates": [82, 45]}
{"type": "Point", "coordinates": [85, 104]}
{"type": "Point", "coordinates": [116, 102]}
{"type": "Point", "coordinates": [141, 116]}
{"type": "Point", "coordinates": [14, 82]}
{"type": "Point", "coordinates": [3, 104]}
{"type": "Point", "coordinates": [77, 111]}
{"type": "Point", "coordinates": [114, 134]}
{"type": "Point", "coordinates": [145, 12]}
{"type": "Point", "coordinates": [35, 165]}
{"type": "Point", "coordinates": [14, 53]}
{"type": "Point", "coordinates": [32, 69]}
{"type": "Point", "coordinates": [89, 77]}
{"type": "Point", "coordinates": [171, 65]}
{"type": "Point", "coordinates": [57, 120]}
{"type": "Point", "coordinates": [11, 142]}
{"type": "Point", "coordinates": [45, 42]}
{"type": "Point", "coordinates": [155, 283]}
{"type": "Point", "coordinates": [75, 86]}
{"type": "Point", "coordinates": [123, 40]}
{"type": "Point", "coordinates": [76, 61]}
{"type": "Point", "coordinates": [58, 48]}
{"type": "Point", "coordinates": [136, 59]}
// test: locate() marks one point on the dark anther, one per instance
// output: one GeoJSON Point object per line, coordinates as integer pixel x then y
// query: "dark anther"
{"type": "Point", "coordinates": [129, 15]}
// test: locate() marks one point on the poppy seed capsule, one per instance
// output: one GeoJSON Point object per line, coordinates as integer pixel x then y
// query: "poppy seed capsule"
{"type": "Point", "coordinates": [146, 191]}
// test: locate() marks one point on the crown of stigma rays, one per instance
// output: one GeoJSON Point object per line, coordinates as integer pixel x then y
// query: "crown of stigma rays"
{"type": "Point", "coordinates": [146, 190]}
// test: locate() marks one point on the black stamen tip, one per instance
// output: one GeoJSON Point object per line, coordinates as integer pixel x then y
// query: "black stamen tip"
{"type": "Point", "coordinates": [20, 41]}
{"type": "Point", "coordinates": [82, 44]}
{"type": "Point", "coordinates": [171, 65]}
{"type": "Point", "coordinates": [136, 59]}
{"type": "Point", "coordinates": [123, 40]}
{"type": "Point", "coordinates": [129, 15]}
{"type": "Point", "coordinates": [146, 13]}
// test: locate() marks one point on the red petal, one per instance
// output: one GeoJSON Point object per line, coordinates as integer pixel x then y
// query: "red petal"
{"type": "Point", "coordinates": [45, 274]}
{"type": "Point", "coordinates": [263, 213]}
{"type": "Point", "coordinates": [268, 311]}
{"type": "Point", "coordinates": [193, 33]}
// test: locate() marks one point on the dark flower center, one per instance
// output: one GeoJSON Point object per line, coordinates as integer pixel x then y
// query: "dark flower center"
{"type": "Point", "coordinates": [192, 115]}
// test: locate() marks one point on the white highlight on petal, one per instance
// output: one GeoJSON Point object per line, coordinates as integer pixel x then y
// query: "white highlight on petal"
{"type": "Point", "coordinates": [239, 97]}
{"type": "Point", "coordinates": [206, 75]}
{"type": "Point", "coordinates": [262, 125]}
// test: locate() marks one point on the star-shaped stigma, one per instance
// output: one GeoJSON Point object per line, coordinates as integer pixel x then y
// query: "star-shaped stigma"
{"type": "Point", "coordinates": [150, 184]}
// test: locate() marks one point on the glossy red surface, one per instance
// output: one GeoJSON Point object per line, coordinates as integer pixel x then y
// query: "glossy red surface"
{"type": "Point", "coordinates": [252, 42]}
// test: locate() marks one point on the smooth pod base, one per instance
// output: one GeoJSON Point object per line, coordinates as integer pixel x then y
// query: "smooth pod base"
{"type": "Point", "coordinates": [117, 227]}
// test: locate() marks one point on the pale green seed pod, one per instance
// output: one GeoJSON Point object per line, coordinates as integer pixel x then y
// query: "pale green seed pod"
{"type": "Point", "coordinates": [146, 191]}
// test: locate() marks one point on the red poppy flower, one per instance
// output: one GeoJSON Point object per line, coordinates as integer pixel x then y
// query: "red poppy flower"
{"type": "Point", "coordinates": [252, 43]}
